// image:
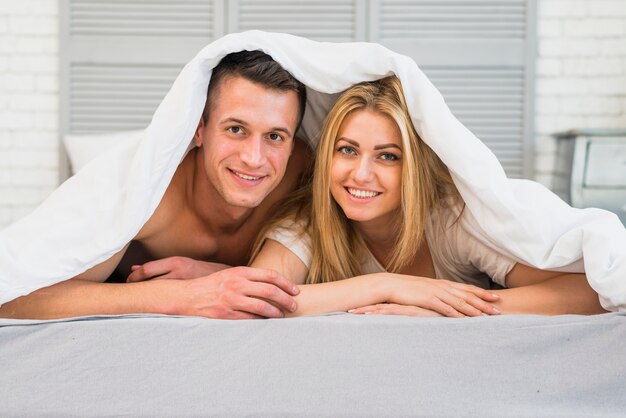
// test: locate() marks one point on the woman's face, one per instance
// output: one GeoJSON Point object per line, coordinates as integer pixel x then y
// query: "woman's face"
{"type": "Point", "coordinates": [366, 169]}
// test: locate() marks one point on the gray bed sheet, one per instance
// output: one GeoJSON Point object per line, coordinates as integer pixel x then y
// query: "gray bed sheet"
{"type": "Point", "coordinates": [332, 365]}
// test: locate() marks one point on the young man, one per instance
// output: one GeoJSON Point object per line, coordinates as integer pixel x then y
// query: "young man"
{"type": "Point", "coordinates": [246, 160]}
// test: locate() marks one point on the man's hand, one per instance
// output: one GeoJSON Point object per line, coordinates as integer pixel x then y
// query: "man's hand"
{"type": "Point", "coordinates": [173, 268]}
{"type": "Point", "coordinates": [393, 309]}
{"type": "Point", "coordinates": [238, 293]}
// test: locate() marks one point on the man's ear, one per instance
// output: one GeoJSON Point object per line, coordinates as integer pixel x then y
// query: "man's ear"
{"type": "Point", "coordinates": [197, 137]}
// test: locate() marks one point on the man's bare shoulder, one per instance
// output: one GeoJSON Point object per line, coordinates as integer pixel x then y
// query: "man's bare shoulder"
{"type": "Point", "coordinates": [171, 205]}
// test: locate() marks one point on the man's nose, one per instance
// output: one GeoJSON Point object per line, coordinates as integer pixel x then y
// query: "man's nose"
{"type": "Point", "coordinates": [252, 152]}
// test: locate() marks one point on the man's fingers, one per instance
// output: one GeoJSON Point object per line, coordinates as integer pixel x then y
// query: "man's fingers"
{"type": "Point", "coordinates": [149, 270]}
{"type": "Point", "coordinates": [156, 267]}
{"type": "Point", "coordinates": [268, 276]}
{"type": "Point", "coordinates": [244, 315]}
{"type": "Point", "coordinates": [136, 276]}
{"type": "Point", "coordinates": [255, 307]}
{"type": "Point", "coordinates": [273, 294]}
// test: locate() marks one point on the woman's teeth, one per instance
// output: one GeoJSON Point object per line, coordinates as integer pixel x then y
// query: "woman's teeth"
{"type": "Point", "coordinates": [362, 194]}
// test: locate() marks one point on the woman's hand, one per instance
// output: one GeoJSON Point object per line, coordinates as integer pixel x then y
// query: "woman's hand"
{"type": "Point", "coordinates": [393, 309]}
{"type": "Point", "coordinates": [444, 297]}
{"type": "Point", "coordinates": [174, 268]}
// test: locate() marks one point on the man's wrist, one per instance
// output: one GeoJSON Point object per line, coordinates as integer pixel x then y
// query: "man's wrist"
{"type": "Point", "coordinates": [168, 296]}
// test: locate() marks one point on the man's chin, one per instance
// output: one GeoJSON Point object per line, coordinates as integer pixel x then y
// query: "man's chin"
{"type": "Point", "coordinates": [245, 202]}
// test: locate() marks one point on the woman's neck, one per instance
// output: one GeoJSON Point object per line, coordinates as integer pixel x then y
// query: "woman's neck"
{"type": "Point", "coordinates": [379, 236]}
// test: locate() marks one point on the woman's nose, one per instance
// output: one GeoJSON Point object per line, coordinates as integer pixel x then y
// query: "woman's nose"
{"type": "Point", "coordinates": [363, 171]}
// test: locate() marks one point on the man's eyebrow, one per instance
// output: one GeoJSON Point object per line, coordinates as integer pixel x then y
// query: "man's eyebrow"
{"type": "Point", "coordinates": [244, 123]}
{"type": "Point", "coordinates": [282, 129]}
{"type": "Point", "coordinates": [234, 120]}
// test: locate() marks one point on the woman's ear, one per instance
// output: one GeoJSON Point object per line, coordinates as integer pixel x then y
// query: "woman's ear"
{"type": "Point", "coordinates": [197, 137]}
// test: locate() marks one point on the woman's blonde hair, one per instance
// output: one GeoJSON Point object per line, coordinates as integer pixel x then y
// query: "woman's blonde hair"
{"type": "Point", "coordinates": [337, 249]}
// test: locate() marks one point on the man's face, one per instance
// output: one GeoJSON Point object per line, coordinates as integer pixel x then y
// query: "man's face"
{"type": "Point", "coordinates": [247, 140]}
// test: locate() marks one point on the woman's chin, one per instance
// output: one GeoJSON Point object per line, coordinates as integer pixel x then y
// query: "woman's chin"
{"type": "Point", "coordinates": [356, 216]}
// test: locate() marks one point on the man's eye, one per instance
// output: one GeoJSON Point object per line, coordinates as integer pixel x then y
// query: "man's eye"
{"type": "Point", "coordinates": [346, 150]}
{"type": "Point", "coordinates": [235, 129]}
{"type": "Point", "coordinates": [276, 137]}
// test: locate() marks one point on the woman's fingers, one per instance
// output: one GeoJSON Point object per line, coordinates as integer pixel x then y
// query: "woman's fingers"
{"type": "Point", "coordinates": [474, 305]}
{"type": "Point", "coordinates": [484, 294]}
{"type": "Point", "coordinates": [450, 306]}
{"type": "Point", "coordinates": [394, 309]}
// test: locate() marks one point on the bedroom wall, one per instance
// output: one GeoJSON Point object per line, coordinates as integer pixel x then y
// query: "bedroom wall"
{"type": "Point", "coordinates": [580, 83]}
{"type": "Point", "coordinates": [29, 150]}
{"type": "Point", "coordinates": [580, 78]}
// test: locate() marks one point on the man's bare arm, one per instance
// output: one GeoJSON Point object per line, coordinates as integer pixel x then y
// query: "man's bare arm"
{"type": "Point", "coordinates": [534, 291]}
{"type": "Point", "coordinates": [77, 297]}
{"type": "Point", "coordinates": [233, 293]}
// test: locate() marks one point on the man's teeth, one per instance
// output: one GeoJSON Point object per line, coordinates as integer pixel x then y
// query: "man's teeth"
{"type": "Point", "coordinates": [245, 177]}
{"type": "Point", "coordinates": [362, 193]}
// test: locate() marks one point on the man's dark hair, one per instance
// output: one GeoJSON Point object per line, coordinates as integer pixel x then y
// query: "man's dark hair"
{"type": "Point", "coordinates": [258, 67]}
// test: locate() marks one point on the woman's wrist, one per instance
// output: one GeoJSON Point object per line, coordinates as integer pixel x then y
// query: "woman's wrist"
{"type": "Point", "coordinates": [387, 285]}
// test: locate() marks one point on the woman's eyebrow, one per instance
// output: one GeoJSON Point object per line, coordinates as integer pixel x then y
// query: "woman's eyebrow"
{"type": "Point", "coordinates": [349, 141]}
{"type": "Point", "coordinates": [383, 146]}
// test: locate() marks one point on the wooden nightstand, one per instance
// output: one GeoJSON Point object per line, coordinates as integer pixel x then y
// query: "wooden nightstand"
{"type": "Point", "coordinates": [598, 175]}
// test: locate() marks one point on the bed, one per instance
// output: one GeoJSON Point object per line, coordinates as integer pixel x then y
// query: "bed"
{"type": "Point", "coordinates": [331, 365]}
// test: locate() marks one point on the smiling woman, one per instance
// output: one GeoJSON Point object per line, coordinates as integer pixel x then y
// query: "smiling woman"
{"type": "Point", "coordinates": [380, 228]}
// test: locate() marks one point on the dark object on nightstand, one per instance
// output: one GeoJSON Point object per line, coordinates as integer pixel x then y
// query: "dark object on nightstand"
{"type": "Point", "coordinates": [598, 173]}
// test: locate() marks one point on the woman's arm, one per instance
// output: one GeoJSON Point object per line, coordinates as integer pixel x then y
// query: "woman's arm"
{"type": "Point", "coordinates": [534, 291]}
{"type": "Point", "coordinates": [447, 298]}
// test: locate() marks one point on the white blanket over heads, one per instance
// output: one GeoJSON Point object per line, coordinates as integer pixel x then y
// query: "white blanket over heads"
{"type": "Point", "coordinates": [96, 212]}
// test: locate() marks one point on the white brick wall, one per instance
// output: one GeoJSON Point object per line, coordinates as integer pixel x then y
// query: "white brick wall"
{"type": "Point", "coordinates": [29, 109]}
{"type": "Point", "coordinates": [581, 77]}
{"type": "Point", "coordinates": [581, 83]}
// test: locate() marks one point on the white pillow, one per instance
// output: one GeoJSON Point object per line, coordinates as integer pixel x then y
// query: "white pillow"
{"type": "Point", "coordinates": [83, 148]}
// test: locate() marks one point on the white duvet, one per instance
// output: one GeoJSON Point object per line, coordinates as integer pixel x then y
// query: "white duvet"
{"type": "Point", "coordinates": [96, 212]}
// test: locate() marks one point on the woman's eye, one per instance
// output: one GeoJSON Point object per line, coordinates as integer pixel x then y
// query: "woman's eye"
{"type": "Point", "coordinates": [346, 150]}
{"type": "Point", "coordinates": [276, 137]}
{"type": "Point", "coordinates": [389, 157]}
